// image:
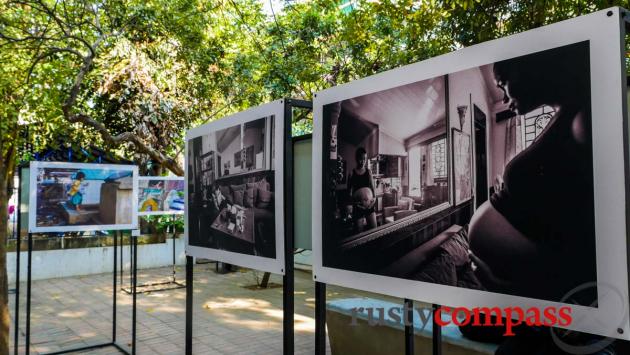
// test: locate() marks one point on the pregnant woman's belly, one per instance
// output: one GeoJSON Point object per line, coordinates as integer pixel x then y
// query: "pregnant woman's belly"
{"type": "Point", "coordinates": [364, 197]}
{"type": "Point", "coordinates": [510, 255]}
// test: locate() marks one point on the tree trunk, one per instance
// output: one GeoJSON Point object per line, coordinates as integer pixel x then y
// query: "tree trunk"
{"type": "Point", "coordinates": [4, 286]}
{"type": "Point", "coordinates": [265, 280]}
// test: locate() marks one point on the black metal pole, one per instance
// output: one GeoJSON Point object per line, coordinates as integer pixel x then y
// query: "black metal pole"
{"type": "Point", "coordinates": [288, 285]}
{"type": "Point", "coordinates": [122, 265]}
{"type": "Point", "coordinates": [408, 317]}
{"type": "Point", "coordinates": [173, 240]}
{"type": "Point", "coordinates": [133, 290]}
{"type": "Point", "coordinates": [189, 304]}
{"type": "Point", "coordinates": [320, 318]}
{"type": "Point", "coordinates": [28, 294]}
{"type": "Point", "coordinates": [437, 333]}
{"type": "Point", "coordinates": [18, 250]}
{"type": "Point", "coordinates": [114, 288]}
{"type": "Point", "coordinates": [131, 261]}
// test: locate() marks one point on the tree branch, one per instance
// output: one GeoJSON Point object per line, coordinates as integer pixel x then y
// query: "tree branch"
{"type": "Point", "coordinates": [117, 140]}
{"type": "Point", "coordinates": [127, 137]}
{"type": "Point", "coordinates": [48, 54]}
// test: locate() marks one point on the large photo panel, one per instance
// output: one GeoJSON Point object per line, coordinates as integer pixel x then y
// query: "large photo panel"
{"type": "Point", "coordinates": [158, 195]}
{"type": "Point", "coordinates": [71, 197]}
{"type": "Point", "coordinates": [234, 189]}
{"type": "Point", "coordinates": [489, 171]}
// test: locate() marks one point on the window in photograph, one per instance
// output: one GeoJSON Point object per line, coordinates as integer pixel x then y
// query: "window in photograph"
{"type": "Point", "coordinates": [535, 123]}
{"type": "Point", "coordinates": [438, 158]}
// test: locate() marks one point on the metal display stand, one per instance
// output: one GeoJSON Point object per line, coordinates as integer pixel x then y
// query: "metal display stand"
{"type": "Point", "coordinates": [18, 251]}
{"type": "Point", "coordinates": [288, 284]}
{"type": "Point", "coordinates": [320, 318]}
{"type": "Point", "coordinates": [408, 316]}
{"type": "Point", "coordinates": [171, 284]}
{"type": "Point", "coordinates": [29, 289]}
{"type": "Point", "coordinates": [114, 309]}
{"type": "Point", "coordinates": [437, 333]}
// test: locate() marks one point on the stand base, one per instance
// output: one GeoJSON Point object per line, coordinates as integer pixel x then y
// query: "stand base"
{"type": "Point", "coordinates": [174, 285]}
{"type": "Point", "coordinates": [90, 347]}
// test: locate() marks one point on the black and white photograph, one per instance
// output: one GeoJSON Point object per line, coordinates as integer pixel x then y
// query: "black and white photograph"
{"type": "Point", "coordinates": [232, 187]}
{"type": "Point", "coordinates": [233, 209]}
{"type": "Point", "coordinates": [398, 198]}
{"type": "Point", "coordinates": [73, 197]}
{"type": "Point", "coordinates": [529, 208]}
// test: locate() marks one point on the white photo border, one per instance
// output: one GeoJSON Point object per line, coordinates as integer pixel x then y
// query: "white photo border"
{"type": "Point", "coordinates": [274, 265]}
{"type": "Point", "coordinates": [604, 31]}
{"type": "Point", "coordinates": [32, 213]}
{"type": "Point", "coordinates": [158, 178]}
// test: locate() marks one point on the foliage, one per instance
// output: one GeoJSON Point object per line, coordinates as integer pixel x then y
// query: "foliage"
{"type": "Point", "coordinates": [131, 76]}
{"type": "Point", "coordinates": [160, 67]}
{"type": "Point", "coordinates": [165, 223]}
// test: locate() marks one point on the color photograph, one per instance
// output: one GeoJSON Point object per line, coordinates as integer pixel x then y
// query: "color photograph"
{"type": "Point", "coordinates": [76, 197]}
{"type": "Point", "coordinates": [160, 195]}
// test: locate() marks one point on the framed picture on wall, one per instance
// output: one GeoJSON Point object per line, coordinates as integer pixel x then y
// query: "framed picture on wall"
{"type": "Point", "coordinates": [238, 158]}
{"type": "Point", "coordinates": [207, 162]}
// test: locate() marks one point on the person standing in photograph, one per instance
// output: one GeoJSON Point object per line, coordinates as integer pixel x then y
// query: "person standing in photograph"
{"type": "Point", "coordinates": [361, 190]}
{"type": "Point", "coordinates": [76, 197]}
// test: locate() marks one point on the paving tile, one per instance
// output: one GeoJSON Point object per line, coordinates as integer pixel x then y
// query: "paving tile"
{"type": "Point", "coordinates": [227, 318]}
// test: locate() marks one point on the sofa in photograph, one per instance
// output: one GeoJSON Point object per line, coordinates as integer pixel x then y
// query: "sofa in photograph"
{"type": "Point", "coordinates": [254, 191]}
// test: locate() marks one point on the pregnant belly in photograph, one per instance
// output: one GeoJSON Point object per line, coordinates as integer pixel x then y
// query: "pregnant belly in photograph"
{"type": "Point", "coordinates": [364, 197]}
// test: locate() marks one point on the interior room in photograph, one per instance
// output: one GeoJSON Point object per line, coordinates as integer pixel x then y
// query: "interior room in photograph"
{"type": "Point", "coordinates": [232, 189]}
{"type": "Point", "coordinates": [75, 197]}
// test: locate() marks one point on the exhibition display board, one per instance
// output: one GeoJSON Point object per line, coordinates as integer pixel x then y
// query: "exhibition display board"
{"type": "Point", "coordinates": [492, 176]}
{"type": "Point", "coordinates": [234, 189]}
{"type": "Point", "coordinates": [58, 197]}
{"type": "Point", "coordinates": [71, 197]}
{"type": "Point", "coordinates": [158, 195]}
{"type": "Point", "coordinates": [240, 210]}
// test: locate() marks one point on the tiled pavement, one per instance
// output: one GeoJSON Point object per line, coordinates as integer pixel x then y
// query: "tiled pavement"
{"type": "Point", "coordinates": [228, 317]}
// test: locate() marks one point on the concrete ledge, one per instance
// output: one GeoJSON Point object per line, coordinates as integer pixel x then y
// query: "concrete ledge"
{"type": "Point", "coordinates": [364, 338]}
{"type": "Point", "coordinates": [49, 264]}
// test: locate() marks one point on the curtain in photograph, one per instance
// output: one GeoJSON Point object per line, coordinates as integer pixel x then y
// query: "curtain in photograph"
{"type": "Point", "coordinates": [429, 166]}
{"type": "Point", "coordinates": [513, 138]}
{"type": "Point", "coordinates": [415, 184]}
